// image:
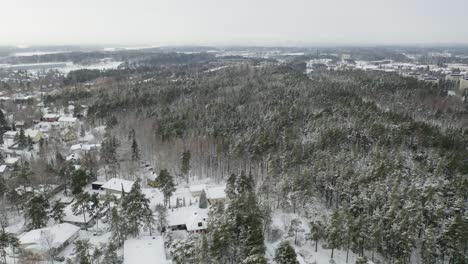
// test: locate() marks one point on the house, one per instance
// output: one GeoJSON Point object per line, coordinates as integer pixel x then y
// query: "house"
{"type": "Point", "coordinates": [35, 135]}
{"type": "Point", "coordinates": [54, 239]}
{"type": "Point", "coordinates": [216, 194]}
{"type": "Point", "coordinates": [189, 218]}
{"type": "Point", "coordinates": [196, 190]}
{"type": "Point", "coordinates": [3, 170]}
{"type": "Point", "coordinates": [19, 124]}
{"type": "Point", "coordinates": [9, 137]}
{"type": "Point", "coordinates": [79, 220]}
{"type": "Point", "coordinates": [68, 121]}
{"type": "Point", "coordinates": [69, 135]}
{"type": "Point", "coordinates": [84, 148]}
{"type": "Point", "coordinates": [116, 186]}
{"type": "Point", "coordinates": [50, 118]}
{"type": "Point", "coordinates": [97, 185]}
{"type": "Point", "coordinates": [145, 250]}
{"type": "Point", "coordinates": [11, 161]}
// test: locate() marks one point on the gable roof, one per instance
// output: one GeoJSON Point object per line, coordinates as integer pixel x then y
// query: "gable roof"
{"type": "Point", "coordinates": [116, 184]}
{"type": "Point", "coordinates": [57, 235]}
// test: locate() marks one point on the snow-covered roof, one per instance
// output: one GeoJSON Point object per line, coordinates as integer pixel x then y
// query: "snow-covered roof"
{"type": "Point", "coordinates": [51, 116]}
{"type": "Point", "coordinates": [116, 184]}
{"type": "Point", "coordinates": [11, 160]}
{"type": "Point", "coordinates": [11, 133]}
{"type": "Point", "coordinates": [67, 119]}
{"type": "Point", "coordinates": [76, 147]}
{"type": "Point", "coordinates": [31, 132]}
{"type": "Point", "coordinates": [197, 188]}
{"type": "Point", "coordinates": [70, 217]}
{"type": "Point", "coordinates": [190, 216]}
{"type": "Point", "coordinates": [145, 250]}
{"type": "Point", "coordinates": [216, 192]}
{"type": "Point", "coordinates": [3, 168]}
{"type": "Point", "coordinates": [50, 237]}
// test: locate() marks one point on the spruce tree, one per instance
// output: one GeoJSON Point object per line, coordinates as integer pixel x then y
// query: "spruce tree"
{"type": "Point", "coordinates": [285, 254]}
{"type": "Point", "coordinates": [22, 139]}
{"type": "Point", "coordinates": [203, 202]}
{"type": "Point", "coordinates": [135, 150]}
{"type": "Point", "coordinates": [118, 227]}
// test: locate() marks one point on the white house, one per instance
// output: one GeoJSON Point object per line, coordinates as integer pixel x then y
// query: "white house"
{"type": "Point", "coordinates": [145, 250]}
{"type": "Point", "coordinates": [196, 190]}
{"type": "Point", "coordinates": [190, 218]}
{"type": "Point", "coordinates": [68, 121]}
{"type": "Point", "coordinates": [78, 219]}
{"type": "Point", "coordinates": [216, 194]}
{"type": "Point", "coordinates": [115, 186]}
{"type": "Point", "coordinates": [54, 238]}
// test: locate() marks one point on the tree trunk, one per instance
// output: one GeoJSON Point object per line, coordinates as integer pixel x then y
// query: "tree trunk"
{"type": "Point", "coordinates": [316, 245]}
{"type": "Point", "coordinates": [347, 254]}
{"type": "Point", "coordinates": [84, 218]}
{"type": "Point", "coordinates": [332, 253]}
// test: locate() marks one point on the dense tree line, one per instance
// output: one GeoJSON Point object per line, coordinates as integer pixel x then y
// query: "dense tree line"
{"type": "Point", "coordinates": [396, 182]}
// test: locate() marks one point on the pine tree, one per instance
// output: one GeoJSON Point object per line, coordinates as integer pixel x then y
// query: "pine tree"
{"type": "Point", "coordinates": [165, 182]}
{"type": "Point", "coordinates": [95, 207]}
{"type": "Point", "coordinates": [36, 212]}
{"type": "Point", "coordinates": [137, 212]}
{"type": "Point", "coordinates": [82, 206]}
{"type": "Point", "coordinates": [316, 232]}
{"type": "Point", "coordinates": [161, 216]}
{"type": "Point", "coordinates": [285, 254]}
{"type": "Point", "coordinates": [82, 251]}
{"type": "Point", "coordinates": [57, 212]}
{"type": "Point", "coordinates": [203, 202]}
{"type": "Point", "coordinates": [79, 180]}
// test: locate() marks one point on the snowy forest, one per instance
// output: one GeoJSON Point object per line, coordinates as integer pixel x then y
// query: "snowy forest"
{"type": "Point", "coordinates": [383, 154]}
{"type": "Point", "coordinates": [351, 165]}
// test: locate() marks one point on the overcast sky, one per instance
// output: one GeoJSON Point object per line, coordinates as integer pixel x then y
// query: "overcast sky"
{"type": "Point", "coordinates": [238, 22]}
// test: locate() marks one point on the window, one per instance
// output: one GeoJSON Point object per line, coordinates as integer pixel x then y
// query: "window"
{"type": "Point", "coordinates": [200, 224]}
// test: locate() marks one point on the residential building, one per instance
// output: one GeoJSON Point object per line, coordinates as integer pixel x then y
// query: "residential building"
{"type": "Point", "coordinates": [39, 243]}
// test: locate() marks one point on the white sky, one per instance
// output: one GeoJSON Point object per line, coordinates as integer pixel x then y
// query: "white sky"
{"type": "Point", "coordinates": [237, 22]}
